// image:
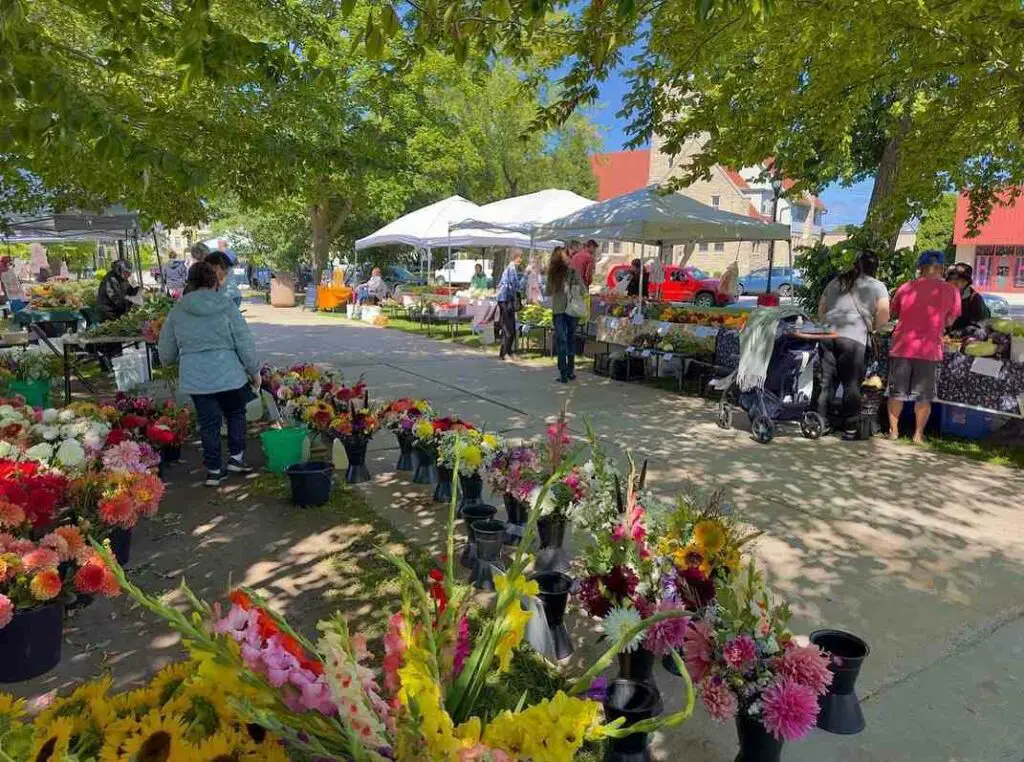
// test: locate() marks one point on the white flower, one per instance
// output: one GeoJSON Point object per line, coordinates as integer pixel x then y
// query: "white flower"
{"type": "Point", "coordinates": [548, 506]}
{"type": "Point", "coordinates": [588, 468]}
{"type": "Point", "coordinates": [620, 621]}
{"type": "Point", "coordinates": [6, 449]}
{"type": "Point", "coordinates": [66, 416]}
{"type": "Point", "coordinates": [41, 452]}
{"type": "Point", "coordinates": [70, 453]}
{"type": "Point", "coordinates": [93, 441]}
{"type": "Point", "coordinates": [49, 433]}
{"type": "Point", "coordinates": [50, 415]}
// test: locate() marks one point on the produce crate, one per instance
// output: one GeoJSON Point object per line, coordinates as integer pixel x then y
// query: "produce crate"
{"type": "Point", "coordinates": [967, 423]}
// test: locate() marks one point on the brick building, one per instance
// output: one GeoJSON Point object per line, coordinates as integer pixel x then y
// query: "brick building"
{"type": "Point", "coordinates": [738, 191]}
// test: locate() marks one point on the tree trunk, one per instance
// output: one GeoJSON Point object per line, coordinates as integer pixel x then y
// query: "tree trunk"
{"type": "Point", "coordinates": [886, 214]}
{"type": "Point", "coordinates": [319, 218]}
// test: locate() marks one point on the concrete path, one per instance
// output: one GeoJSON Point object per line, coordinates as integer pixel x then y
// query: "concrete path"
{"type": "Point", "coordinates": [920, 553]}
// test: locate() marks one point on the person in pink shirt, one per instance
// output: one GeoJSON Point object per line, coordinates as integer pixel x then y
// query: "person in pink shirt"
{"type": "Point", "coordinates": [583, 262]}
{"type": "Point", "coordinates": [925, 307]}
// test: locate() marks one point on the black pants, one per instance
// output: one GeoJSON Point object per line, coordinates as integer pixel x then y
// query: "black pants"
{"type": "Point", "coordinates": [211, 409]}
{"type": "Point", "coordinates": [507, 323]}
{"type": "Point", "coordinates": [842, 362]}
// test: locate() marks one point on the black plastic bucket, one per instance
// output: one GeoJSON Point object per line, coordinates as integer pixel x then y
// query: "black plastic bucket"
{"type": "Point", "coordinates": [30, 643]}
{"type": "Point", "coordinates": [311, 482]}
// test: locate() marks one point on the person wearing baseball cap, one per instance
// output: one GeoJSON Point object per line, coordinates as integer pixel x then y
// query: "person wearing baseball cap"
{"type": "Point", "coordinates": [925, 308]}
{"type": "Point", "coordinates": [973, 310]}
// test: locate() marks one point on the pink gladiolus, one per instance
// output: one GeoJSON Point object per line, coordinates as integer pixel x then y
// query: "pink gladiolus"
{"type": "Point", "coordinates": [462, 646]}
{"type": "Point", "coordinates": [697, 649]}
{"type": "Point", "coordinates": [790, 710]}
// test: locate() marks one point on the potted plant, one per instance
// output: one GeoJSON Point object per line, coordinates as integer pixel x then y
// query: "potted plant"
{"type": "Point", "coordinates": [31, 608]}
{"type": "Point", "coordinates": [29, 373]}
{"type": "Point", "coordinates": [472, 448]}
{"type": "Point", "coordinates": [400, 416]}
{"type": "Point", "coordinates": [354, 429]}
{"type": "Point", "coordinates": [748, 669]}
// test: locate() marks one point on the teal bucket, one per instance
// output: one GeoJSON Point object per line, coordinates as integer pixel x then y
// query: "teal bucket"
{"type": "Point", "coordinates": [283, 447]}
{"type": "Point", "coordinates": [36, 393]}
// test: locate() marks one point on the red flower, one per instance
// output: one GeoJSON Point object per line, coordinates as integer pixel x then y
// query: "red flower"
{"type": "Point", "coordinates": [267, 626]}
{"type": "Point", "coordinates": [89, 578]}
{"type": "Point", "coordinates": [437, 575]}
{"type": "Point", "coordinates": [240, 599]}
{"type": "Point", "coordinates": [116, 437]}
{"type": "Point", "coordinates": [132, 421]}
{"type": "Point", "coordinates": [159, 435]}
{"type": "Point", "coordinates": [291, 645]}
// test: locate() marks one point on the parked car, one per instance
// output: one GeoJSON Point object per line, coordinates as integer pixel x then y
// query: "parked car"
{"type": "Point", "coordinates": [784, 280]}
{"type": "Point", "coordinates": [682, 284]}
{"type": "Point", "coordinates": [460, 271]}
{"type": "Point", "coordinates": [997, 305]}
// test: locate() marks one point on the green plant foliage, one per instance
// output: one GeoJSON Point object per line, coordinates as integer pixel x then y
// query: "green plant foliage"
{"type": "Point", "coordinates": [819, 264]}
{"type": "Point", "coordinates": [935, 230]}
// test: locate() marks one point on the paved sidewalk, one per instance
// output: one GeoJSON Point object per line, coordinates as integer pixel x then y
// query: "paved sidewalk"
{"type": "Point", "coordinates": [918, 552]}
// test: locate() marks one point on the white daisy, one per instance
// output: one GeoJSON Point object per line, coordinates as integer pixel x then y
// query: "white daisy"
{"type": "Point", "coordinates": [620, 621]}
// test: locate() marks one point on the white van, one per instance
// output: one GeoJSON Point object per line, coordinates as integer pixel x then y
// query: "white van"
{"type": "Point", "coordinates": [460, 271]}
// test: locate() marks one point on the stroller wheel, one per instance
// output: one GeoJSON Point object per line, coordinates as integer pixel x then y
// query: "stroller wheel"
{"type": "Point", "coordinates": [724, 418]}
{"type": "Point", "coordinates": [813, 425]}
{"type": "Point", "coordinates": [763, 429]}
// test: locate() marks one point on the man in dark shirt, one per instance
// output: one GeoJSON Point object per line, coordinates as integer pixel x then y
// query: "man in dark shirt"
{"type": "Point", "coordinates": [973, 310]}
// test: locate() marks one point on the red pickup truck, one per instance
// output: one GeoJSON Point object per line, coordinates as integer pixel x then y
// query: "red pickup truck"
{"type": "Point", "coordinates": [682, 284]}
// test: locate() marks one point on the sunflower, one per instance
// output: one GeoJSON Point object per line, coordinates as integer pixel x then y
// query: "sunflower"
{"type": "Point", "coordinates": [160, 738]}
{"type": "Point", "coordinates": [166, 681]}
{"type": "Point", "coordinates": [11, 708]}
{"type": "Point", "coordinates": [52, 740]}
{"type": "Point", "coordinates": [709, 535]}
{"type": "Point", "coordinates": [136, 702]}
{"type": "Point", "coordinates": [220, 747]}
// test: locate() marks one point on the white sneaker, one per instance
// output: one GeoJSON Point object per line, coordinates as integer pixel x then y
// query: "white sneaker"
{"type": "Point", "coordinates": [214, 478]}
{"type": "Point", "coordinates": [237, 466]}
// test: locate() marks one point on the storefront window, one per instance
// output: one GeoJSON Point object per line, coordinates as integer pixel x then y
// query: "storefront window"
{"type": "Point", "coordinates": [981, 267]}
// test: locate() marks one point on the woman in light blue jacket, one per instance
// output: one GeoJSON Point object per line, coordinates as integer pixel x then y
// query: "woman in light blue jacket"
{"type": "Point", "coordinates": [207, 335]}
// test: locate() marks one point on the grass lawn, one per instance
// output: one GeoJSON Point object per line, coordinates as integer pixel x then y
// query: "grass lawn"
{"type": "Point", "coordinates": [995, 454]}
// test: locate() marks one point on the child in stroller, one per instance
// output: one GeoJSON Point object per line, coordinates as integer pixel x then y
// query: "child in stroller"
{"type": "Point", "coordinates": [787, 394]}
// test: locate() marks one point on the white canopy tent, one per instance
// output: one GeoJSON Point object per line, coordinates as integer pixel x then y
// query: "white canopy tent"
{"type": "Point", "coordinates": [426, 227]}
{"type": "Point", "coordinates": [523, 214]}
{"type": "Point", "coordinates": [651, 216]}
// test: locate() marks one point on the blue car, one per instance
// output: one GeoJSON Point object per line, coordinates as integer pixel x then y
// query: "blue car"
{"type": "Point", "coordinates": [784, 280]}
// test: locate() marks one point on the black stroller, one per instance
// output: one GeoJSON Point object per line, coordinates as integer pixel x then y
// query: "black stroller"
{"type": "Point", "coordinates": [788, 392]}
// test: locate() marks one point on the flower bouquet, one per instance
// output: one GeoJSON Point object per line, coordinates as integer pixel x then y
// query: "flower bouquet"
{"type": "Point", "coordinates": [427, 433]}
{"type": "Point", "coordinates": [354, 428]}
{"type": "Point", "coordinates": [185, 712]}
{"type": "Point", "coordinates": [512, 472]}
{"type": "Point", "coordinates": [30, 496]}
{"type": "Point", "coordinates": [29, 373]}
{"type": "Point", "coordinates": [108, 504]}
{"type": "Point", "coordinates": [400, 416]}
{"type": "Point", "coordinates": [61, 439]}
{"type": "Point", "coordinates": [471, 449]}
{"type": "Point", "coordinates": [747, 667]}
{"type": "Point", "coordinates": [30, 583]}
{"type": "Point", "coordinates": [326, 700]}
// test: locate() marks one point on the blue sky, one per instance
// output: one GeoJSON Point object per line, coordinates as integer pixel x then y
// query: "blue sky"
{"type": "Point", "coordinates": [845, 205]}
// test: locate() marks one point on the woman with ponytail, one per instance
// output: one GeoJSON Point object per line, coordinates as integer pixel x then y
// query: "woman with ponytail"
{"type": "Point", "coordinates": [855, 303]}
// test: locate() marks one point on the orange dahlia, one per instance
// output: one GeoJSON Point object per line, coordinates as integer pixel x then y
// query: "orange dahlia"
{"type": "Point", "coordinates": [118, 509]}
{"type": "Point", "coordinates": [11, 516]}
{"type": "Point", "coordinates": [111, 588]}
{"type": "Point", "coordinates": [45, 585]}
{"type": "Point", "coordinates": [78, 550]}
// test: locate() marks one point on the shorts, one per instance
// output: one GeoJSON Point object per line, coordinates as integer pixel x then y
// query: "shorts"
{"type": "Point", "coordinates": [912, 380]}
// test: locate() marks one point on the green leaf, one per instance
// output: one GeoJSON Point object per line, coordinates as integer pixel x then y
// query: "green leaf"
{"type": "Point", "coordinates": [626, 8]}
{"type": "Point", "coordinates": [389, 20]}
{"type": "Point", "coordinates": [347, 6]}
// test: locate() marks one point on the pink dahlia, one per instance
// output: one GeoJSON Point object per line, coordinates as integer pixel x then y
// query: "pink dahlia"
{"type": "Point", "coordinates": [740, 653]}
{"type": "Point", "coordinates": [718, 700]}
{"type": "Point", "coordinates": [790, 710]}
{"type": "Point", "coordinates": [698, 644]}
{"type": "Point", "coordinates": [669, 633]}
{"type": "Point", "coordinates": [40, 558]}
{"type": "Point", "coordinates": [6, 611]}
{"type": "Point", "coordinates": [807, 665]}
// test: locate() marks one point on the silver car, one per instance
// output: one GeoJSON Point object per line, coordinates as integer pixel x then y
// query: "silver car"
{"type": "Point", "coordinates": [997, 305]}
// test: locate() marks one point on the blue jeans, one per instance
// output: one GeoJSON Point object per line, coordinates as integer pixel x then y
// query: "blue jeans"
{"type": "Point", "coordinates": [565, 344]}
{"type": "Point", "coordinates": [210, 409]}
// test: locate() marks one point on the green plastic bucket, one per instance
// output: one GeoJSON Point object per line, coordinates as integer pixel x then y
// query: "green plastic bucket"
{"type": "Point", "coordinates": [36, 393]}
{"type": "Point", "coordinates": [283, 447]}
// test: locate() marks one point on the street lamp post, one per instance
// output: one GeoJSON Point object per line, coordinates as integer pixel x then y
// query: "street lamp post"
{"type": "Point", "coordinates": [776, 192]}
